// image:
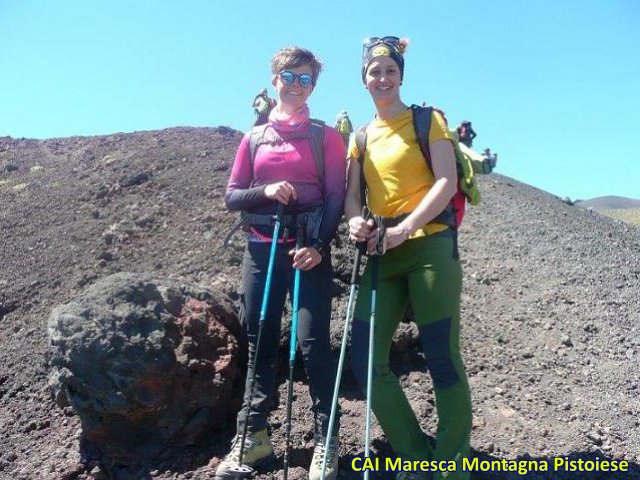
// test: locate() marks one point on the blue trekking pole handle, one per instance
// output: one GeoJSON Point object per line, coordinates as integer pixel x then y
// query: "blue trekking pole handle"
{"type": "Point", "coordinates": [294, 322]}
{"type": "Point", "coordinates": [272, 255]}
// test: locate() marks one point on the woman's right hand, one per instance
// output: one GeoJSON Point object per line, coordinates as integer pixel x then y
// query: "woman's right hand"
{"type": "Point", "coordinates": [360, 230]}
{"type": "Point", "coordinates": [282, 192]}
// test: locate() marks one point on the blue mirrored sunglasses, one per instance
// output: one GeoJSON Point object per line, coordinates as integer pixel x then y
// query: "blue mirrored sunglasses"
{"type": "Point", "coordinates": [288, 78]}
{"type": "Point", "coordinates": [373, 41]}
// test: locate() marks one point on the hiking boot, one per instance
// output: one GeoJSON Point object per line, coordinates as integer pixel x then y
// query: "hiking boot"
{"type": "Point", "coordinates": [315, 469]}
{"type": "Point", "coordinates": [258, 450]}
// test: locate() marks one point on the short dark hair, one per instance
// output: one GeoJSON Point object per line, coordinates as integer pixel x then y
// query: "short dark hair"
{"type": "Point", "coordinates": [292, 57]}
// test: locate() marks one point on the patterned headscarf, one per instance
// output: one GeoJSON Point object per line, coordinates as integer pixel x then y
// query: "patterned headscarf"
{"type": "Point", "coordinates": [379, 47]}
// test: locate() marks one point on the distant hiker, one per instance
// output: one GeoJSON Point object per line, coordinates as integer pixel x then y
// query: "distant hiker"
{"type": "Point", "coordinates": [262, 105]}
{"type": "Point", "coordinates": [466, 134]}
{"type": "Point", "coordinates": [487, 163]}
{"type": "Point", "coordinates": [282, 162]}
{"type": "Point", "coordinates": [419, 263]}
{"type": "Point", "coordinates": [344, 126]}
{"type": "Point", "coordinates": [492, 158]}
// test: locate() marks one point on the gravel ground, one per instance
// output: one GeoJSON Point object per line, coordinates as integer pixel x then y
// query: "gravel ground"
{"type": "Point", "coordinates": [551, 306]}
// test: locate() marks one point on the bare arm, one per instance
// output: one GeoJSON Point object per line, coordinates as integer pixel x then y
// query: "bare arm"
{"type": "Point", "coordinates": [352, 203]}
{"type": "Point", "coordinates": [360, 230]}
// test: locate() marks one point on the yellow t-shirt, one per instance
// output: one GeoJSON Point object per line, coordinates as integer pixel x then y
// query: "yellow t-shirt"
{"type": "Point", "coordinates": [395, 170]}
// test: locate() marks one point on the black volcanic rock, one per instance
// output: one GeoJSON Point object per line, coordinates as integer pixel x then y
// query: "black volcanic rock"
{"type": "Point", "coordinates": [146, 363]}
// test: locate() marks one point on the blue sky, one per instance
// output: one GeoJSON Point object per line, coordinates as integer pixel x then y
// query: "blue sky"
{"type": "Point", "coordinates": [552, 86]}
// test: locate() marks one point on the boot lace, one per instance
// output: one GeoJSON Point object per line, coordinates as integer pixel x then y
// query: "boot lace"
{"type": "Point", "coordinates": [319, 451]}
{"type": "Point", "coordinates": [234, 454]}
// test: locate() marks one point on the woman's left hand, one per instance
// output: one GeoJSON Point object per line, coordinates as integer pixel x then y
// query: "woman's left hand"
{"type": "Point", "coordinates": [305, 258]}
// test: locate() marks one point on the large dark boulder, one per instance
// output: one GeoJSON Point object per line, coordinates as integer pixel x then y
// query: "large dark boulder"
{"type": "Point", "coordinates": [146, 363]}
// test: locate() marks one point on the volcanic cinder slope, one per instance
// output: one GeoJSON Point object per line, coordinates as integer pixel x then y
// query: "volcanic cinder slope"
{"type": "Point", "coordinates": [551, 304]}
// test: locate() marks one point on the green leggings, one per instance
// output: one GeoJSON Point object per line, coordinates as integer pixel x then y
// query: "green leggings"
{"type": "Point", "coordinates": [426, 273]}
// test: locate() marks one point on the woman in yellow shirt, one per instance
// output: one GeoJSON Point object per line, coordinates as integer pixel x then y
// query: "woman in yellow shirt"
{"type": "Point", "coordinates": [420, 265]}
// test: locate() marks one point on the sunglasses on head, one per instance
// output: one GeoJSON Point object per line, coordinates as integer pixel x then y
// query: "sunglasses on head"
{"type": "Point", "coordinates": [288, 78]}
{"type": "Point", "coordinates": [373, 41]}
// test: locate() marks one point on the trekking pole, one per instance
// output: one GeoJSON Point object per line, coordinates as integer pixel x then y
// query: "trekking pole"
{"type": "Point", "coordinates": [355, 277]}
{"type": "Point", "coordinates": [372, 318]}
{"type": "Point", "coordinates": [244, 470]}
{"type": "Point", "coordinates": [292, 347]}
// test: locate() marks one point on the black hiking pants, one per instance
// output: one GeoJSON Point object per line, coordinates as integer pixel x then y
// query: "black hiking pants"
{"type": "Point", "coordinates": [313, 331]}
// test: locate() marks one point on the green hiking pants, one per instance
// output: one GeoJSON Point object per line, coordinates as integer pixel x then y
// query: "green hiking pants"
{"type": "Point", "coordinates": [425, 273]}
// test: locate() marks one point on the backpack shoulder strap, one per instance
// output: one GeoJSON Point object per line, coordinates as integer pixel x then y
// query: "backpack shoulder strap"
{"type": "Point", "coordinates": [422, 125]}
{"type": "Point", "coordinates": [316, 140]}
{"type": "Point", "coordinates": [316, 132]}
{"type": "Point", "coordinates": [361, 143]}
{"type": "Point", "coordinates": [256, 135]}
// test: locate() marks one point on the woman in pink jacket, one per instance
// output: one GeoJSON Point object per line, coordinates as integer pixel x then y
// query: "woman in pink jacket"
{"type": "Point", "coordinates": [284, 169]}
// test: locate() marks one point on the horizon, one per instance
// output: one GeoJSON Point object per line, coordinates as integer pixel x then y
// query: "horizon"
{"type": "Point", "coordinates": [549, 87]}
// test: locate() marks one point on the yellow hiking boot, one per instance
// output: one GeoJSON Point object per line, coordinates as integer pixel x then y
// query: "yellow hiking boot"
{"type": "Point", "coordinates": [258, 450]}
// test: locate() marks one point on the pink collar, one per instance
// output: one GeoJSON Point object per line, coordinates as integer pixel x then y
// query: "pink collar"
{"type": "Point", "coordinates": [286, 122]}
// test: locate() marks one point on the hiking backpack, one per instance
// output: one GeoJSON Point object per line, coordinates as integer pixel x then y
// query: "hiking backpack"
{"type": "Point", "coordinates": [315, 135]}
{"type": "Point", "coordinates": [257, 137]}
{"type": "Point", "coordinates": [467, 190]}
